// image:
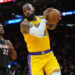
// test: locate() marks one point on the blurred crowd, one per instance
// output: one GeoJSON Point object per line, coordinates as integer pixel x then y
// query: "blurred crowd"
{"type": "Point", "coordinates": [63, 46]}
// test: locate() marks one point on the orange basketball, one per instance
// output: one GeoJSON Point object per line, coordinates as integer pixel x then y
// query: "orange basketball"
{"type": "Point", "coordinates": [52, 15]}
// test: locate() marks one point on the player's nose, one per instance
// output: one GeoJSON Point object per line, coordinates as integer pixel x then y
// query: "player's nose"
{"type": "Point", "coordinates": [27, 11]}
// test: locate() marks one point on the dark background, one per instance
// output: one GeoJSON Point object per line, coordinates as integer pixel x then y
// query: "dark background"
{"type": "Point", "coordinates": [62, 38]}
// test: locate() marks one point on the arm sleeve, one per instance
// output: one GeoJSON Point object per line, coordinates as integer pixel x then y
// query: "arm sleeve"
{"type": "Point", "coordinates": [38, 32]}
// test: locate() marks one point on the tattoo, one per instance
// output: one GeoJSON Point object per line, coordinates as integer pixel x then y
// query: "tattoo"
{"type": "Point", "coordinates": [28, 24]}
{"type": "Point", "coordinates": [25, 26]}
{"type": "Point", "coordinates": [51, 24]}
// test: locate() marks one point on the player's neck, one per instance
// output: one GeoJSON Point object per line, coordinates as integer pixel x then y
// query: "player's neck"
{"type": "Point", "coordinates": [34, 18]}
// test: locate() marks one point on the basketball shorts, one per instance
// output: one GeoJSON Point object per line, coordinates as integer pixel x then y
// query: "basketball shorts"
{"type": "Point", "coordinates": [42, 62]}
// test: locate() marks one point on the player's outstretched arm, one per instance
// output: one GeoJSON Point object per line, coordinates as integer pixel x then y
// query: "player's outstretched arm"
{"type": "Point", "coordinates": [12, 50]}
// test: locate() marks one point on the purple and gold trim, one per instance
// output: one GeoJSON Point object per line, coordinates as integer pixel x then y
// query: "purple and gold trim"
{"type": "Point", "coordinates": [29, 64]}
{"type": "Point", "coordinates": [40, 53]}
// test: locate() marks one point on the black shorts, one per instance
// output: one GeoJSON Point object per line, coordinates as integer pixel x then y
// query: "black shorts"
{"type": "Point", "coordinates": [4, 71]}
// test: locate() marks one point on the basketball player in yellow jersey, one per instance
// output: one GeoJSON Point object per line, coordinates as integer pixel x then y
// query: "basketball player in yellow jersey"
{"type": "Point", "coordinates": [41, 58]}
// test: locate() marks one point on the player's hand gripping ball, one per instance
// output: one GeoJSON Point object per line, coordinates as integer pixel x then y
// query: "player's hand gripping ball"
{"type": "Point", "coordinates": [52, 15]}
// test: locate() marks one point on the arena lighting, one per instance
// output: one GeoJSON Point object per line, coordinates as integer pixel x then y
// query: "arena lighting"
{"type": "Point", "coordinates": [15, 63]}
{"type": "Point", "coordinates": [4, 1]}
{"type": "Point", "coordinates": [11, 63]}
{"type": "Point", "coordinates": [69, 25]}
{"type": "Point", "coordinates": [13, 21]}
{"type": "Point", "coordinates": [9, 66]}
{"type": "Point", "coordinates": [68, 13]}
{"type": "Point", "coordinates": [18, 16]}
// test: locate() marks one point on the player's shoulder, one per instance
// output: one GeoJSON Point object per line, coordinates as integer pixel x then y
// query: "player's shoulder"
{"type": "Point", "coordinates": [42, 17]}
{"type": "Point", "coordinates": [8, 41]}
{"type": "Point", "coordinates": [25, 20]}
{"type": "Point", "coordinates": [23, 23]}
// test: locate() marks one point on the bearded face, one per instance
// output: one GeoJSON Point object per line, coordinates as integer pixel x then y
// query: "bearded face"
{"type": "Point", "coordinates": [29, 11]}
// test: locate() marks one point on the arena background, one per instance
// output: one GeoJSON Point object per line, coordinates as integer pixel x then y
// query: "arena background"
{"type": "Point", "coordinates": [62, 38]}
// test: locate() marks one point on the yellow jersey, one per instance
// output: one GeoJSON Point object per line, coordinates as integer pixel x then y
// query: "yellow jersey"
{"type": "Point", "coordinates": [35, 44]}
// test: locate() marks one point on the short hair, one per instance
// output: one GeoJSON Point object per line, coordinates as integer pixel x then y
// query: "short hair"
{"type": "Point", "coordinates": [27, 4]}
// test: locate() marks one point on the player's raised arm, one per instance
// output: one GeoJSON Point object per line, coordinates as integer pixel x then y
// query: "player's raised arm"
{"type": "Point", "coordinates": [12, 50]}
{"type": "Point", "coordinates": [52, 16]}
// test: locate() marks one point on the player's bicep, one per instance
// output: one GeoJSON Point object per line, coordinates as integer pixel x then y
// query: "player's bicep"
{"type": "Point", "coordinates": [25, 26]}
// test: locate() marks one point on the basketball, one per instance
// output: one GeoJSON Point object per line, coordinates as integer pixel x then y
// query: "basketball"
{"type": "Point", "coordinates": [52, 15]}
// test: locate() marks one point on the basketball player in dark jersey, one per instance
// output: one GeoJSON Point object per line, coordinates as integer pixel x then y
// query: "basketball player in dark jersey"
{"type": "Point", "coordinates": [6, 50]}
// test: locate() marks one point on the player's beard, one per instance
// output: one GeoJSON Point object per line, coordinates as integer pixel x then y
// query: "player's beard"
{"type": "Point", "coordinates": [31, 17]}
{"type": "Point", "coordinates": [1, 34]}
